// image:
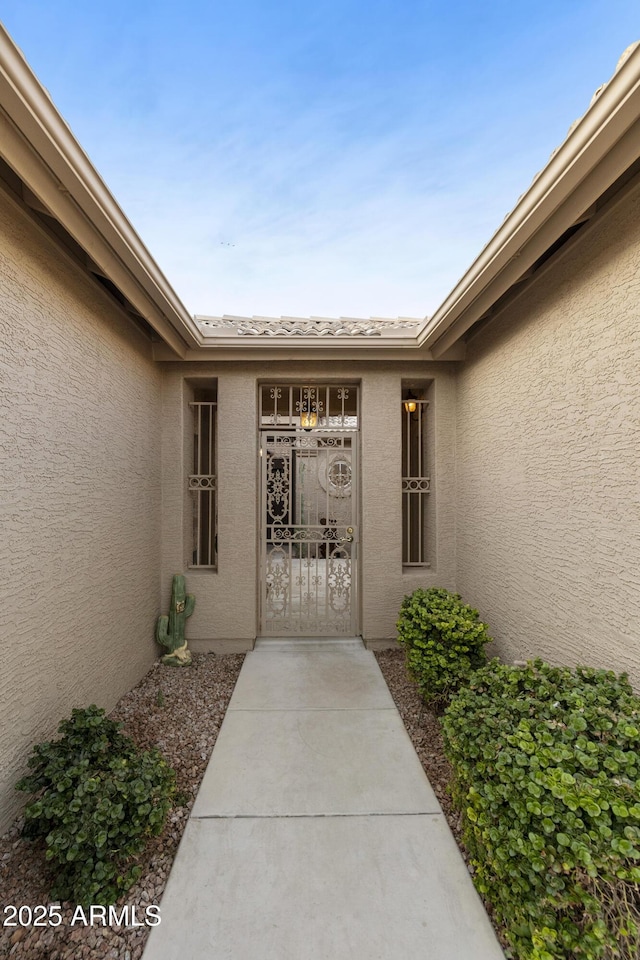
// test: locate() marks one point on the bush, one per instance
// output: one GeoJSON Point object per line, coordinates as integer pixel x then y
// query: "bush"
{"type": "Point", "coordinates": [444, 641]}
{"type": "Point", "coordinates": [546, 775]}
{"type": "Point", "coordinates": [97, 799]}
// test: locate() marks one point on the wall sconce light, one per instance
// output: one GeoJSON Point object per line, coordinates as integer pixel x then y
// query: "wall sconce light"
{"type": "Point", "coordinates": [308, 417]}
{"type": "Point", "coordinates": [411, 403]}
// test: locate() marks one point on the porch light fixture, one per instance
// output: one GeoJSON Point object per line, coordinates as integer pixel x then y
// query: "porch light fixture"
{"type": "Point", "coordinates": [411, 403]}
{"type": "Point", "coordinates": [308, 417]}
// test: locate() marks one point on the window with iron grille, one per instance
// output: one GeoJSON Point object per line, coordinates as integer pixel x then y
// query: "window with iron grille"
{"type": "Point", "coordinates": [202, 482]}
{"type": "Point", "coordinates": [416, 480]}
{"type": "Point", "coordinates": [322, 406]}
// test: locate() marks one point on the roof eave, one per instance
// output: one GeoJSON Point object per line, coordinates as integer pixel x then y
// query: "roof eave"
{"type": "Point", "coordinates": [599, 148]}
{"type": "Point", "coordinates": [307, 343]}
{"type": "Point", "coordinates": [39, 146]}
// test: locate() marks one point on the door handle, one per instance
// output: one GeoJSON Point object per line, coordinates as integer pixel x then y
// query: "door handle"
{"type": "Point", "coordinates": [349, 538]}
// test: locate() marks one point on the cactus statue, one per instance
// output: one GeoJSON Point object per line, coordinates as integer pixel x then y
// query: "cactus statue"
{"type": "Point", "coordinates": [170, 630]}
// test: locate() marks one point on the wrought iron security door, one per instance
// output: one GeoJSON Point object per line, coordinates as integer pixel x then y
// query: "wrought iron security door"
{"type": "Point", "coordinates": [309, 530]}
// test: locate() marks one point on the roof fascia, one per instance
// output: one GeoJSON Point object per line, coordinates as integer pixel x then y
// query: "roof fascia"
{"type": "Point", "coordinates": [62, 207]}
{"type": "Point", "coordinates": [598, 149]}
{"type": "Point", "coordinates": [298, 344]}
{"type": "Point", "coordinates": [352, 349]}
{"type": "Point", "coordinates": [39, 146]}
{"type": "Point", "coordinates": [520, 290]}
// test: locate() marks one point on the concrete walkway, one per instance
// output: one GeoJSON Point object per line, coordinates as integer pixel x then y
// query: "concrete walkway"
{"type": "Point", "coordinates": [315, 834]}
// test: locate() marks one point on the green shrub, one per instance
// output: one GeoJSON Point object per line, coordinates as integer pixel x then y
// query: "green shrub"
{"type": "Point", "coordinates": [97, 799]}
{"type": "Point", "coordinates": [547, 775]}
{"type": "Point", "coordinates": [444, 641]}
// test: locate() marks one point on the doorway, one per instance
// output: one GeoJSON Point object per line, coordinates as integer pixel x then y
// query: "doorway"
{"type": "Point", "coordinates": [309, 510]}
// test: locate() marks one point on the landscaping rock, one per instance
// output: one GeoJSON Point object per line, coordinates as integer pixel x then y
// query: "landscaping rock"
{"type": "Point", "coordinates": [181, 712]}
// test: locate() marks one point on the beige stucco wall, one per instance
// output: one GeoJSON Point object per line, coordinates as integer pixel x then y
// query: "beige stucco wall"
{"type": "Point", "coordinates": [548, 451]}
{"type": "Point", "coordinates": [80, 487]}
{"type": "Point", "coordinates": [225, 598]}
{"type": "Point", "coordinates": [226, 613]}
{"type": "Point", "coordinates": [384, 580]}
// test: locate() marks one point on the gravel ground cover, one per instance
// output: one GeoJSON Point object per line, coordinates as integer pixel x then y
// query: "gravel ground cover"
{"type": "Point", "coordinates": [181, 712]}
{"type": "Point", "coordinates": [178, 710]}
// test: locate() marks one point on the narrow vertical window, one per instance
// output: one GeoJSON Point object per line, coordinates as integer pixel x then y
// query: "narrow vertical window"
{"type": "Point", "coordinates": [415, 479]}
{"type": "Point", "coordinates": [202, 482]}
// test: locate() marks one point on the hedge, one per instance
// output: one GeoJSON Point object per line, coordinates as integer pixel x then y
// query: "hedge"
{"type": "Point", "coordinates": [546, 767]}
{"type": "Point", "coordinates": [444, 641]}
{"type": "Point", "coordinates": [96, 800]}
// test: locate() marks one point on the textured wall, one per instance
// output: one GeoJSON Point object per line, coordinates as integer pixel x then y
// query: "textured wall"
{"type": "Point", "coordinates": [79, 491]}
{"type": "Point", "coordinates": [548, 449]}
{"type": "Point", "coordinates": [227, 599]}
{"type": "Point", "coordinates": [384, 580]}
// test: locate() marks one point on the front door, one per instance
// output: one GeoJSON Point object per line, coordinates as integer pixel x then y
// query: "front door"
{"type": "Point", "coordinates": [309, 536]}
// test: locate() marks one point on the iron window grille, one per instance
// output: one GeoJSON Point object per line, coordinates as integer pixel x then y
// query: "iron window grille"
{"type": "Point", "coordinates": [202, 485]}
{"type": "Point", "coordinates": [309, 406]}
{"type": "Point", "coordinates": [416, 484]}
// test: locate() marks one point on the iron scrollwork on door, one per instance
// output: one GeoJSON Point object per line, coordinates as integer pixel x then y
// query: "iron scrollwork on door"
{"type": "Point", "coordinates": [308, 549]}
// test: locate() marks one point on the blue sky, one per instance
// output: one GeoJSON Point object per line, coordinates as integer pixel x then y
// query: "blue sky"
{"type": "Point", "coordinates": [339, 157]}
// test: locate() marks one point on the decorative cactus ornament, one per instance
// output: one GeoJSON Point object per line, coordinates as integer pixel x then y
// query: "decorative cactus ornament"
{"type": "Point", "coordinates": [170, 630]}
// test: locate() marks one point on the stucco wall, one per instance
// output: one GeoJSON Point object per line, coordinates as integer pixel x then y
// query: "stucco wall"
{"type": "Point", "coordinates": [79, 482]}
{"type": "Point", "coordinates": [548, 450]}
{"type": "Point", "coordinates": [384, 580]}
{"type": "Point", "coordinates": [226, 613]}
{"type": "Point", "coordinates": [225, 598]}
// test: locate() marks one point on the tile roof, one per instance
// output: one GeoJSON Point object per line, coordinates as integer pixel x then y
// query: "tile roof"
{"type": "Point", "coordinates": [304, 326]}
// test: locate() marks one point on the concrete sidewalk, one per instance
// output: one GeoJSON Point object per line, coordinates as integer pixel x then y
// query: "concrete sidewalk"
{"type": "Point", "coordinates": [315, 834]}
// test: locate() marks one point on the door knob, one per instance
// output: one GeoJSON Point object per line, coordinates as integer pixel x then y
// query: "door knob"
{"type": "Point", "coordinates": [349, 537]}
